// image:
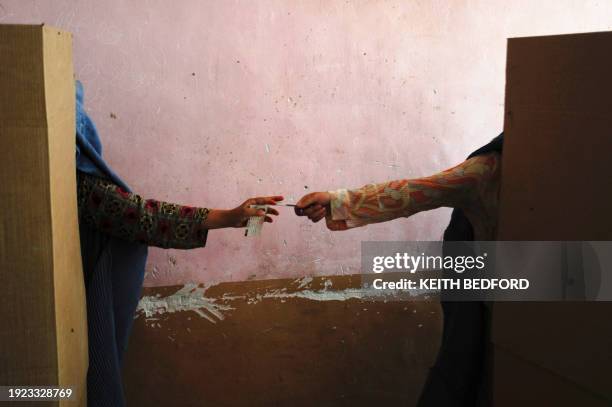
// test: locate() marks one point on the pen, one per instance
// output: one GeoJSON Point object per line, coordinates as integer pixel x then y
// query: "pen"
{"type": "Point", "coordinates": [298, 211]}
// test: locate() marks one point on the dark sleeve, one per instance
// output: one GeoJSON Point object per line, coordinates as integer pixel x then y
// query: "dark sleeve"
{"type": "Point", "coordinates": [107, 207]}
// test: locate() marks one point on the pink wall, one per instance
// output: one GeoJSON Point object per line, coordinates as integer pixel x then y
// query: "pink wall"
{"type": "Point", "coordinates": [216, 101]}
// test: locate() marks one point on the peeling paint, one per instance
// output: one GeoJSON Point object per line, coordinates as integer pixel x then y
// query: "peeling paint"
{"type": "Point", "coordinates": [328, 284]}
{"type": "Point", "coordinates": [189, 298]}
{"type": "Point", "coordinates": [313, 295]}
{"type": "Point", "coordinates": [303, 282]}
{"type": "Point", "coordinates": [192, 298]}
{"type": "Point", "coordinates": [325, 294]}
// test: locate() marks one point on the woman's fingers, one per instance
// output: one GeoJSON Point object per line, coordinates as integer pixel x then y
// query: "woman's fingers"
{"type": "Point", "coordinates": [311, 210]}
{"type": "Point", "coordinates": [307, 200]}
{"type": "Point", "coordinates": [268, 200]}
{"type": "Point", "coordinates": [318, 215]}
{"type": "Point", "coordinates": [319, 198]}
{"type": "Point", "coordinates": [248, 212]}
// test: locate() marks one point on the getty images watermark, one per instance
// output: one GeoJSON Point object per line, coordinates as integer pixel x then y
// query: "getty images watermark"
{"type": "Point", "coordinates": [405, 262]}
{"type": "Point", "coordinates": [489, 271]}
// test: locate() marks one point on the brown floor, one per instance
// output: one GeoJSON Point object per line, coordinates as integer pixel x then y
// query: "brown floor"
{"type": "Point", "coordinates": [283, 350]}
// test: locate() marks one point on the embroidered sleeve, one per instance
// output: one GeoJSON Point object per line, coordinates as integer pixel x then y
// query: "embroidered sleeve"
{"type": "Point", "coordinates": [373, 203]}
{"type": "Point", "coordinates": [123, 214]}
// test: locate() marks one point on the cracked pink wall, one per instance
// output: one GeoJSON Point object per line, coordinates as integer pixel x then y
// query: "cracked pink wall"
{"type": "Point", "coordinates": [210, 102]}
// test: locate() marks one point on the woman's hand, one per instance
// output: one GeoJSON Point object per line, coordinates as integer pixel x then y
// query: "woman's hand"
{"type": "Point", "coordinates": [239, 216]}
{"type": "Point", "coordinates": [316, 206]}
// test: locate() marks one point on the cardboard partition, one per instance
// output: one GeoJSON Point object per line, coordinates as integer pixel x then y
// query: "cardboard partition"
{"type": "Point", "coordinates": [536, 386]}
{"type": "Point", "coordinates": [556, 183]}
{"type": "Point", "coordinates": [43, 335]}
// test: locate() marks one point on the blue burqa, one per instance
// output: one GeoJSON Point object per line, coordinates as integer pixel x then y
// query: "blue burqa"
{"type": "Point", "coordinates": [113, 272]}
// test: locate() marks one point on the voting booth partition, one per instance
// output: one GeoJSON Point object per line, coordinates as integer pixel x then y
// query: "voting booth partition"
{"type": "Point", "coordinates": [556, 179]}
{"type": "Point", "coordinates": [43, 330]}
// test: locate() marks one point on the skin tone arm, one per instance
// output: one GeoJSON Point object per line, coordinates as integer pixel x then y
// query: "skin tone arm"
{"type": "Point", "coordinates": [116, 212]}
{"type": "Point", "coordinates": [238, 217]}
{"type": "Point", "coordinates": [471, 186]}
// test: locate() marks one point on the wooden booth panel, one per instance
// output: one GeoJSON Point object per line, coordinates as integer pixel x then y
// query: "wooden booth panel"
{"type": "Point", "coordinates": [558, 127]}
{"type": "Point", "coordinates": [523, 383]}
{"type": "Point", "coordinates": [43, 336]}
{"type": "Point", "coordinates": [556, 186]}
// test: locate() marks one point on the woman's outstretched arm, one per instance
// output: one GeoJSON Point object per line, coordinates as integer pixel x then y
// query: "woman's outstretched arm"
{"type": "Point", "coordinates": [457, 187]}
{"type": "Point", "coordinates": [105, 206]}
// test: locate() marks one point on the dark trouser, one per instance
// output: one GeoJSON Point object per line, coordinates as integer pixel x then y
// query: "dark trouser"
{"type": "Point", "coordinates": [456, 378]}
{"type": "Point", "coordinates": [113, 271]}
